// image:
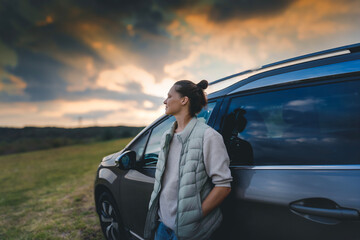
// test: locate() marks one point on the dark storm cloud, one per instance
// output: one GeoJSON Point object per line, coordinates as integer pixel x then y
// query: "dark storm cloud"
{"type": "Point", "coordinates": [20, 19]}
{"type": "Point", "coordinates": [6, 97]}
{"type": "Point", "coordinates": [44, 83]}
{"type": "Point", "coordinates": [241, 9]}
{"type": "Point", "coordinates": [115, 8]}
{"type": "Point", "coordinates": [41, 74]}
{"type": "Point", "coordinates": [36, 40]}
{"type": "Point", "coordinates": [147, 15]}
{"type": "Point", "coordinates": [176, 4]}
{"type": "Point", "coordinates": [35, 45]}
{"type": "Point", "coordinates": [21, 27]}
{"type": "Point", "coordinates": [12, 23]}
{"type": "Point", "coordinates": [140, 14]}
{"type": "Point", "coordinates": [150, 22]}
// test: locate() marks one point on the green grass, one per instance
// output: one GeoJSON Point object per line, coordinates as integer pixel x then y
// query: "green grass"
{"type": "Point", "coordinates": [49, 194]}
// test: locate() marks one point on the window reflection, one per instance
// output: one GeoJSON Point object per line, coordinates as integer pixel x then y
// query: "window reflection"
{"type": "Point", "coordinates": [239, 150]}
{"type": "Point", "coordinates": [308, 125]}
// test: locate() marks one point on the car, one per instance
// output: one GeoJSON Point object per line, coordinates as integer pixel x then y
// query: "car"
{"type": "Point", "coordinates": [292, 132]}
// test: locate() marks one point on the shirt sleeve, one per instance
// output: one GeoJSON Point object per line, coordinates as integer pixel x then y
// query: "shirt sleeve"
{"type": "Point", "coordinates": [216, 159]}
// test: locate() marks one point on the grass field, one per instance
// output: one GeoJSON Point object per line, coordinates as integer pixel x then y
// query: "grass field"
{"type": "Point", "coordinates": [49, 194]}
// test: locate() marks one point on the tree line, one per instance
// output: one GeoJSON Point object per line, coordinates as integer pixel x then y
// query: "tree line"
{"type": "Point", "coordinates": [16, 140]}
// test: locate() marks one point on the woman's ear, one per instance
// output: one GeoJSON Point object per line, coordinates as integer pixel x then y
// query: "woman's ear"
{"type": "Point", "coordinates": [184, 100]}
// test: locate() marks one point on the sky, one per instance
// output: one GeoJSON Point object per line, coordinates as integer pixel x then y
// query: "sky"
{"type": "Point", "coordinates": [78, 63]}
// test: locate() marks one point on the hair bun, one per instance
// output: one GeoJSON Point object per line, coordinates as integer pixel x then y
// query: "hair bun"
{"type": "Point", "coordinates": [203, 84]}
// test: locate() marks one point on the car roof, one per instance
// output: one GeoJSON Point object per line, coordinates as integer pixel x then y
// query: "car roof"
{"type": "Point", "coordinates": [333, 61]}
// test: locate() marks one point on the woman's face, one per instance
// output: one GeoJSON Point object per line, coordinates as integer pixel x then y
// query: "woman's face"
{"type": "Point", "coordinates": [174, 103]}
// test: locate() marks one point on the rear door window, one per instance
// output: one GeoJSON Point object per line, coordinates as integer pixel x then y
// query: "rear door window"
{"type": "Point", "coordinates": [316, 124]}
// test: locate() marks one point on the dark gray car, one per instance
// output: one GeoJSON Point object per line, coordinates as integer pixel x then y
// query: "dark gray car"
{"type": "Point", "coordinates": [292, 132]}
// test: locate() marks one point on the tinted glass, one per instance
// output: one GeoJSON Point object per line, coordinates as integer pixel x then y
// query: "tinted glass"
{"type": "Point", "coordinates": [307, 125]}
{"type": "Point", "coordinates": [139, 146]}
{"type": "Point", "coordinates": [205, 113]}
{"type": "Point", "coordinates": [153, 147]}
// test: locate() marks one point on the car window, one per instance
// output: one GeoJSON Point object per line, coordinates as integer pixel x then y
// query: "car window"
{"type": "Point", "coordinates": [205, 113]}
{"type": "Point", "coordinates": [139, 146]}
{"type": "Point", "coordinates": [153, 146]}
{"type": "Point", "coordinates": [306, 125]}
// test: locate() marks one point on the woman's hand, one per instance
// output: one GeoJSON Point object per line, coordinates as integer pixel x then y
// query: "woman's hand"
{"type": "Point", "coordinates": [215, 197]}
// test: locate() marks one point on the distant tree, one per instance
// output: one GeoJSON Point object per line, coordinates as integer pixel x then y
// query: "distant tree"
{"type": "Point", "coordinates": [15, 140]}
{"type": "Point", "coordinates": [107, 135]}
{"type": "Point", "coordinates": [126, 133]}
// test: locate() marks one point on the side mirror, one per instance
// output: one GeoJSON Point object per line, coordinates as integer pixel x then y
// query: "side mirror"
{"type": "Point", "coordinates": [126, 160]}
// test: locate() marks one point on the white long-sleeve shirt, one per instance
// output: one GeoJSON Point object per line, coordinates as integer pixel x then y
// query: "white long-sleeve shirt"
{"type": "Point", "coordinates": [216, 162]}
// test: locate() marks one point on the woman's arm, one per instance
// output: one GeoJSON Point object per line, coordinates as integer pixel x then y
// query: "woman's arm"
{"type": "Point", "coordinates": [216, 162]}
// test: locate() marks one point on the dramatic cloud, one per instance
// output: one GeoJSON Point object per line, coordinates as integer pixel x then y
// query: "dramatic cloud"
{"type": "Point", "coordinates": [114, 61]}
{"type": "Point", "coordinates": [90, 112]}
{"type": "Point", "coordinates": [243, 9]}
{"type": "Point", "coordinates": [239, 44]}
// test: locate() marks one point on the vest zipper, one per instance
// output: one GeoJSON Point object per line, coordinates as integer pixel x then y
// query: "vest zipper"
{"type": "Point", "coordinates": [178, 190]}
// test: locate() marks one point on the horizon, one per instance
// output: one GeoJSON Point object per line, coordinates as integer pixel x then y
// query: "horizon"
{"type": "Point", "coordinates": [72, 127]}
{"type": "Point", "coordinates": [106, 63]}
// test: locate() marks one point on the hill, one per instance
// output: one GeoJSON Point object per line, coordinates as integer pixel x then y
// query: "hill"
{"type": "Point", "coordinates": [16, 140]}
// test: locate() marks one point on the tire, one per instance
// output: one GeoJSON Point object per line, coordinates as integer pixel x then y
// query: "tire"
{"type": "Point", "coordinates": [109, 217]}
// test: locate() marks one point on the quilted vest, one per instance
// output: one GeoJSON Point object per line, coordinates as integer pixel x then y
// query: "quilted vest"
{"type": "Point", "coordinates": [194, 186]}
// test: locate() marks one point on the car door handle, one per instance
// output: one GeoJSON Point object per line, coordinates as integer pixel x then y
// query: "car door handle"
{"type": "Point", "coordinates": [340, 213]}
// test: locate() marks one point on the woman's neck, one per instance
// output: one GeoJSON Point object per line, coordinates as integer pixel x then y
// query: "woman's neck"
{"type": "Point", "coordinates": [182, 121]}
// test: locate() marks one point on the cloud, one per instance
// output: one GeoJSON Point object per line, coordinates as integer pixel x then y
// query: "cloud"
{"type": "Point", "coordinates": [242, 43]}
{"type": "Point", "coordinates": [46, 81]}
{"type": "Point", "coordinates": [41, 74]}
{"type": "Point", "coordinates": [126, 52]}
{"type": "Point", "coordinates": [86, 41]}
{"type": "Point", "coordinates": [8, 56]}
{"type": "Point", "coordinates": [124, 79]}
{"type": "Point", "coordinates": [132, 79]}
{"type": "Point", "coordinates": [93, 115]}
{"type": "Point", "coordinates": [229, 9]}
{"type": "Point", "coordinates": [11, 84]}
{"type": "Point", "coordinates": [92, 112]}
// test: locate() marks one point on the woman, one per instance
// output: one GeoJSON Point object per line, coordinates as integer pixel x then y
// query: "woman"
{"type": "Point", "coordinates": [192, 174]}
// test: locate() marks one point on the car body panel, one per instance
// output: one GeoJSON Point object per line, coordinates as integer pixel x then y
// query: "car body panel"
{"type": "Point", "coordinates": [261, 198]}
{"type": "Point", "coordinates": [134, 206]}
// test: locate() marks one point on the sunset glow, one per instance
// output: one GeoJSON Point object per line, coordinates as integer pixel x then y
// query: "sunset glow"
{"type": "Point", "coordinates": [89, 63]}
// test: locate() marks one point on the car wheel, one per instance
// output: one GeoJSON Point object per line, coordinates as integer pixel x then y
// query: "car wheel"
{"type": "Point", "coordinates": [110, 218]}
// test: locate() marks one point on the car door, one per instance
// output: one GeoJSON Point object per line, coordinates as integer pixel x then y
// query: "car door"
{"type": "Point", "coordinates": [132, 203]}
{"type": "Point", "coordinates": [137, 184]}
{"type": "Point", "coordinates": [295, 160]}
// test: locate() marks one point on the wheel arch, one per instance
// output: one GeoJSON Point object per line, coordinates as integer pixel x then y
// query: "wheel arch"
{"type": "Point", "coordinates": [99, 189]}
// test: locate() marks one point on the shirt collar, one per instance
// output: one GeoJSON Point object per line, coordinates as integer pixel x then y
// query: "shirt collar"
{"type": "Point", "coordinates": [184, 134]}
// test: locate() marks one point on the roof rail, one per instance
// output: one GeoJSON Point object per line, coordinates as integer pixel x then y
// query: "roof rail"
{"type": "Point", "coordinates": [325, 52]}
{"type": "Point", "coordinates": [231, 76]}
{"type": "Point", "coordinates": [352, 48]}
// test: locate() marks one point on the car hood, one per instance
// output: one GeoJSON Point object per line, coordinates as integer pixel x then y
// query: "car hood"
{"type": "Point", "coordinates": [109, 160]}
